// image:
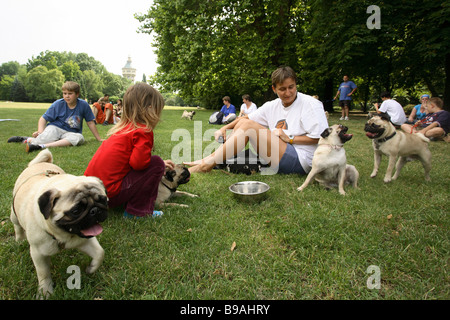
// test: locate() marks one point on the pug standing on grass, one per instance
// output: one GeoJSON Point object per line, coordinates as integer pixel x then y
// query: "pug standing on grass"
{"type": "Point", "coordinates": [387, 140]}
{"type": "Point", "coordinates": [55, 210]}
{"type": "Point", "coordinates": [329, 164]}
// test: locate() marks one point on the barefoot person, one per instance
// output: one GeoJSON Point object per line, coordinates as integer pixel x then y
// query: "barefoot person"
{"type": "Point", "coordinates": [284, 132]}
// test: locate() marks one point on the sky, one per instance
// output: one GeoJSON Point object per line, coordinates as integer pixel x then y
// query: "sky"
{"type": "Point", "coordinates": [105, 30]}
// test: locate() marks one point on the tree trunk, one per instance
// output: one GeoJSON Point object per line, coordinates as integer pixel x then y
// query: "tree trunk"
{"type": "Point", "coordinates": [447, 83]}
{"type": "Point", "coordinates": [328, 91]}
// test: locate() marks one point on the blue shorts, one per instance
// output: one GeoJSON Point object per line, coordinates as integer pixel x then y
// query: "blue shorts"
{"type": "Point", "coordinates": [289, 162]}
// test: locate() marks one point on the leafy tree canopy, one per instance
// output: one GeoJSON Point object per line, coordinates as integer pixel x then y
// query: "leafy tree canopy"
{"type": "Point", "coordinates": [208, 49]}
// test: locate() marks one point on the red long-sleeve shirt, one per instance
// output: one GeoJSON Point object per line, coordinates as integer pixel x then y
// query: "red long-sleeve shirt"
{"type": "Point", "coordinates": [118, 155]}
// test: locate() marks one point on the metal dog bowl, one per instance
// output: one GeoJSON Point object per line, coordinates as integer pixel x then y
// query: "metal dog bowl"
{"type": "Point", "coordinates": [250, 191]}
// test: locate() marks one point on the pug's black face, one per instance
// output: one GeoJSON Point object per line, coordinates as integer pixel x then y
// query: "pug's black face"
{"type": "Point", "coordinates": [77, 212]}
{"type": "Point", "coordinates": [343, 134]}
{"type": "Point", "coordinates": [84, 217]}
{"type": "Point", "coordinates": [375, 127]}
{"type": "Point", "coordinates": [180, 175]}
{"type": "Point", "coordinates": [339, 130]}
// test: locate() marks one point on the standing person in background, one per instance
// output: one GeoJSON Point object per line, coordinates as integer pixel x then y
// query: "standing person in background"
{"type": "Point", "coordinates": [345, 92]}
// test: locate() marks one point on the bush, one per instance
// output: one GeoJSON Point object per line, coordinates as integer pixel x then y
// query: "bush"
{"type": "Point", "coordinates": [408, 108]}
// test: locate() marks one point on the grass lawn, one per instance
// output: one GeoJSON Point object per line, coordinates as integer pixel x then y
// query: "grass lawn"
{"type": "Point", "coordinates": [293, 246]}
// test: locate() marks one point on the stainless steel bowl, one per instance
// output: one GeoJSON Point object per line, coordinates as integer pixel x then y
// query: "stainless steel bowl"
{"type": "Point", "coordinates": [250, 191]}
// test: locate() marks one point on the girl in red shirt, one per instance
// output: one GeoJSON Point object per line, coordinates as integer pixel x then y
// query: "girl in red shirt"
{"type": "Point", "coordinates": [130, 173]}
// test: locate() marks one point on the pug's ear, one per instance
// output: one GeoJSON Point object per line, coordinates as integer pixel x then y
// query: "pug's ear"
{"type": "Point", "coordinates": [385, 116]}
{"type": "Point", "coordinates": [47, 200]}
{"type": "Point", "coordinates": [326, 133]}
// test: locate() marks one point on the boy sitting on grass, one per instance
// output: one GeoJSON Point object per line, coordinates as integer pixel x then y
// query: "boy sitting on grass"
{"type": "Point", "coordinates": [65, 122]}
{"type": "Point", "coordinates": [436, 123]}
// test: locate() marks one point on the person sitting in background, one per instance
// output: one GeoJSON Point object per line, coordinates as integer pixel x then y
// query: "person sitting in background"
{"type": "Point", "coordinates": [435, 125]}
{"type": "Point", "coordinates": [103, 112]}
{"type": "Point", "coordinates": [418, 112]}
{"type": "Point", "coordinates": [228, 110]}
{"type": "Point", "coordinates": [284, 132]}
{"type": "Point", "coordinates": [118, 111]}
{"type": "Point", "coordinates": [62, 124]}
{"type": "Point", "coordinates": [248, 106]}
{"type": "Point", "coordinates": [392, 108]}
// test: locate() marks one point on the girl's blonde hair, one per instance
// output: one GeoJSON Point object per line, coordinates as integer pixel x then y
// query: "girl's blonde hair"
{"type": "Point", "coordinates": [142, 105]}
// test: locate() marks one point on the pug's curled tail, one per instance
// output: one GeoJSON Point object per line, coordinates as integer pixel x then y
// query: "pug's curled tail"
{"type": "Point", "coordinates": [43, 156]}
{"type": "Point", "coordinates": [421, 136]}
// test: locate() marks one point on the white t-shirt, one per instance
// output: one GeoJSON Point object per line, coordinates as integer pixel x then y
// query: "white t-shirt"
{"type": "Point", "coordinates": [394, 110]}
{"type": "Point", "coordinates": [305, 116]}
{"type": "Point", "coordinates": [246, 110]}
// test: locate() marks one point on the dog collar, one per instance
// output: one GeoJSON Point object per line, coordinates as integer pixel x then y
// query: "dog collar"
{"type": "Point", "coordinates": [387, 138]}
{"type": "Point", "coordinates": [171, 189]}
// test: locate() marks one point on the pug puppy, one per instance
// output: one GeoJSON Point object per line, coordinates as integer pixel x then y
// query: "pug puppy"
{"type": "Point", "coordinates": [54, 210]}
{"type": "Point", "coordinates": [188, 115]}
{"type": "Point", "coordinates": [396, 144]}
{"type": "Point", "coordinates": [169, 183]}
{"type": "Point", "coordinates": [329, 165]}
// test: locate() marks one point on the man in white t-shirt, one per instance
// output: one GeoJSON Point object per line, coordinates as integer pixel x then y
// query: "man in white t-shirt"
{"type": "Point", "coordinates": [392, 108]}
{"type": "Point", "coordinates": [284, 131]}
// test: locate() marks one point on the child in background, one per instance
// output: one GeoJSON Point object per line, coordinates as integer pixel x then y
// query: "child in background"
{"type": "Point", "coordinates": [62, 124]}
{"type": "Point", "coordinates": [436, 124]}
{"type": "Point", "coordinates": [130, 173]}
{"type": "Point", "coordinates": [103, 112]}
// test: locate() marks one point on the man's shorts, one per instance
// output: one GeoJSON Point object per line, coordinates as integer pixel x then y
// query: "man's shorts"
{"type": "Point", "coordinates": [290, 163]}
{"type": "Point", "coordinates": [345, 103]}
{"type": "Point", "coordinates": [53, 133]}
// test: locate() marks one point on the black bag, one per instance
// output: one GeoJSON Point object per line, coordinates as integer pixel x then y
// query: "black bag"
{"type": "Point", "coordinates": [216, 118]}
{"type": "Point", "coordinates": [245, 162]}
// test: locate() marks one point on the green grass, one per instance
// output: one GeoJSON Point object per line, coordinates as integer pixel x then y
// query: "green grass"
{"type": "Point", "coordinates": [311, 245]}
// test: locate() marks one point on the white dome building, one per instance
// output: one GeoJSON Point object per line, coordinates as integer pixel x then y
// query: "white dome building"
{"type": "Point", "coordinates": [128, 71]}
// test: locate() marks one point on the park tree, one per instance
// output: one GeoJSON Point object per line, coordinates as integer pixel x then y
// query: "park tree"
{"type": "Point", "coordinates": [92, 85]}
{"type": "Point", "coordinates": [208, 49]}
{"type": "Point", "coordinates": [410, 47]}
{"type": "Point", "coordinates": [229, 47]}
{"type": "Point", "coordinates": [18, 92]}
{"type": "Point", "coordinates": [6, 84]}
{"type": "Point", "coordinates": [43, 85]}
{"type": "Point", "coordinates": [9, 68]}
{"type": "Point", "coordinates": [92, 76]}
{"type": "Point", "coordinates": [71, 71]}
